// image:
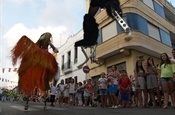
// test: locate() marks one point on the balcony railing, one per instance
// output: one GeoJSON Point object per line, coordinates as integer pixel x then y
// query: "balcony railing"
{"type": "Point", "coordinates": [67, 67]}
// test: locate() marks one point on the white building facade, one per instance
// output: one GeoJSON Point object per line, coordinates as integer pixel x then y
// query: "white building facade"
{"type": "Point", "coordinates": [69, 57]}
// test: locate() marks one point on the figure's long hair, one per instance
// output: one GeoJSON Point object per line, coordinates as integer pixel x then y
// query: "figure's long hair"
{"type": "Point", "coordinates": [139, 67]}
{"type": "Point", "coordinates": [44, 40]}
{"type": "Point", "coordinates": [148, 64]}
{"type": "Point", "coordinates": [168, 61]}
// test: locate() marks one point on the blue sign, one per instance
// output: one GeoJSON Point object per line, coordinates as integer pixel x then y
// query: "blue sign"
{"type": "Point", "coordinates": [86, 69]}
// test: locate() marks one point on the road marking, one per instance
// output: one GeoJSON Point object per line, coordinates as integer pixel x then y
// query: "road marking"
{"type": "Point", "coordinates": [83, 107]}
{"type": "Point", "coordinates": [35, 108]}
{"type": "Point", "coordinates": [39, 108]}
{"type": "Point", "coordinates": [0, 109]}
{"type": "Point", "coordinates": [21, 108]}
{"type": "Point", "coordinates": [55, 108]}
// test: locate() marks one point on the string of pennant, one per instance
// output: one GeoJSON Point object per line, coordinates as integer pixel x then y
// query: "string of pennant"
{"type": "Point", "coordinates": [9, 69]}
{"type": "Point", "coordinates": [10, 84]}
{"type": "Point", "coordinates": [6, 80]}
{"type": "Point", "coordinates": [8, 87]}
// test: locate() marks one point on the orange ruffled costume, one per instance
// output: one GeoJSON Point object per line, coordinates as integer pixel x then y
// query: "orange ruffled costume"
{"type": "Point", "coordinates": [37, 67]}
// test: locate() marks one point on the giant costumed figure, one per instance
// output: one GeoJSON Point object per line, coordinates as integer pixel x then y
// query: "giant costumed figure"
{"type": "Point", "coordinates": [90, 27]}
{"type": "Point", "coordinates": [38, 67]}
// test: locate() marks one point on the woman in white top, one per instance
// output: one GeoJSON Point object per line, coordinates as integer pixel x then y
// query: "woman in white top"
{"type": "Point", "coordinates": [102, 83]}
{"type": "Point", "coordinates": [61, 90]}
{"type": "Point", "coordinates": [66, 92]}
{"type": "Point", "coordinates": [53, 91]}
{"type": "Point", "coordinates": [72, 91]}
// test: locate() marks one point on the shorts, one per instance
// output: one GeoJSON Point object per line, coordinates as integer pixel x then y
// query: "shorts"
{"type": "Point", "coordinates": [103, 92]}
{"type": "Point", "coordinates": [113, 89]}
{"type": "Point", "coordinates": [72, 94]}
{"type": "Point", "coordinates": [169, 80]}
{"type": "Point", "coordinates": [61, 94]}
{"type": "Point", "coordinates": [124, 96]}
{"type": "Point", "coordinates": [86, 95]}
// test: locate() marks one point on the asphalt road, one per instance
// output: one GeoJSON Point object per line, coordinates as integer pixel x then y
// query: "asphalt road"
{"type": "Point", "coordinates": [17, 108]}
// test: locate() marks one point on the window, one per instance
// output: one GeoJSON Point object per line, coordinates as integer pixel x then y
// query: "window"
{"type": "Point", "coordinates": [99, 40]}
{"type": "Point", "coordinates": [153, 31]}
{"type": "Point", "coordinates": [165, 37]}
{"type": "Point", "coordinates": [109, 31]}
{"type": "Point", "coordinates": [76, 79]}
{"type": "Point", "coordinates": [172, 36]}
{"type": "Point", "coordinates": [75, 54]}
{"type": "Point", "coordinates": [137, 22]}
{"type": "Point", "coordinates": [173, 45]}
{"type": "Point", "coordinates": [149, 3]}
{"type": "Point", "coordinates": [170, 16]}
{"type": "Point", "coordinates": [159, 9]}
{"type": "Point", "coordinates": [119, 66]}
{"type": "Point", "coordinates": [62, 67]}
{"type": "Point", "coordinates": [69, 59]}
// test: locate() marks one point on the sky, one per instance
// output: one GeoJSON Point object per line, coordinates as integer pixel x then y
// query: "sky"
{"type": "Point", "coordinates": [62, 18]}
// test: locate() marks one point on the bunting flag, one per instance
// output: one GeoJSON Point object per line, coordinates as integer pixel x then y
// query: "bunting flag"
{"type": "Point", "coordinates": [15, 69]}
{"type": "Point", "coordinates": [6, 80]}
{"type": "Point", "coordinates": [9, 69]}
{"type": "Point", "coordinates": [5, 69]}
{"type": "Point", "coordinates": [8, 87]}
{"type": "Point", "coordinates": [8, 84]}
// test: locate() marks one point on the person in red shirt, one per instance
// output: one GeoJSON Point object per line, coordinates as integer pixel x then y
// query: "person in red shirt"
{"type": "Point", "coordinates": [125, 86]}
{"type": "Point", "coordinates": [90, 90]}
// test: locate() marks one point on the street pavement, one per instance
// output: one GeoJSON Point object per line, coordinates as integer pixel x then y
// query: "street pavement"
{"type": "Point", "coordinates": [17, 108]}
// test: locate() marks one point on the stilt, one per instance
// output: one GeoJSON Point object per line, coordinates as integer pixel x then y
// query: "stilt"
{"type": "Point", "coordinates": [91, 57]}
{"type": "Point", "coordinates": [123, 24]}
{"type": "Point", "coordinates": [27, 103]}
{"type": "Point", "coordinates": [45, 103]}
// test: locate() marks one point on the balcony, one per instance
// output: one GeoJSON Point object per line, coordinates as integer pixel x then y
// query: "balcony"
{"type": "Point", "coordinates": [67, 67]}
{"type": "Point", "coordinates": [139, 42]}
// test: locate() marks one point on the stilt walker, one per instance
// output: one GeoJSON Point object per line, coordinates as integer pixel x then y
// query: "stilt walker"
{"type": "Point", "coordinates": [90, 27]}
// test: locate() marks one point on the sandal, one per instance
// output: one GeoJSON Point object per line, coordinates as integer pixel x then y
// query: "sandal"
{"type": "Point", "coordinates": [164, 107]}
{"type": "Point", "coordinates": [146, 106]}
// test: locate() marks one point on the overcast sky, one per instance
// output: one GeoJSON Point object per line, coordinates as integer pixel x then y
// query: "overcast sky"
{"type": "Point", "coordinates": [32, 18]}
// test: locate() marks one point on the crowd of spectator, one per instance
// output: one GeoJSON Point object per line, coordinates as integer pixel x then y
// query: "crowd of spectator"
{"type": "Point", "coordinates": [151, 85]}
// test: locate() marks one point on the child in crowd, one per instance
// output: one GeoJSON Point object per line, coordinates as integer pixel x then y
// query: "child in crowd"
{"type": "Point", "coordinates": [125, 87]}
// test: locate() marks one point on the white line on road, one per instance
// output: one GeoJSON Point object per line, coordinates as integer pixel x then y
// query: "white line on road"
{"type": "Point", "coordinates": [0, 109]}
{"type": "Point", "coordinates": [55, 108]}
{"type": "Point", "coordinates": [36, 108]}
{"type": "Point", "coordinates": [21, 108]}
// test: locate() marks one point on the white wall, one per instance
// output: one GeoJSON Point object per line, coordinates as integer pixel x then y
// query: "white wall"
{"type": "Point", "coordinates": [64, 49]}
